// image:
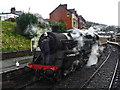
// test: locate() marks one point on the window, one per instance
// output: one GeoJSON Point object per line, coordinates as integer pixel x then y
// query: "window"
{"type": "Point", "coordinates": [67, 14]}
{"type": "Point", "coordinates": [74, 20]}
{"type": "Point", "coordinates": [74, 23]}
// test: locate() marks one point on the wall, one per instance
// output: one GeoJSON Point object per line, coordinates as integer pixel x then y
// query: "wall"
{"type": "Point", "coordinates": [74, 21]}
{"type": "Point", "coordinates": [61, 14]}
{"type": "Point", "coordinates": [81, 24]}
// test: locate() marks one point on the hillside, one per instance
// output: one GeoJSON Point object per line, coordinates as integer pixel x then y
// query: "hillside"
{"type": "Point", "coordinates": [12, 41]}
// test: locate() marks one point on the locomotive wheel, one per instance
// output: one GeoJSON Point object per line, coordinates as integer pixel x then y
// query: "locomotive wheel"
{"type": "Point", "coordinates": [37, 75]}
{"type": "Point", "coordinates": [58, 76]}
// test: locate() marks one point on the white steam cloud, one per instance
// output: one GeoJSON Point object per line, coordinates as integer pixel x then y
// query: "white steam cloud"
{"type": "Point", "coordinates": [93, 58]}
{"type": "Point", "coordinates": [31, 30]}
{"type": "Point", "coordinates": [78, 35]}
{"type": "Point", "coordinates": [38, 34]}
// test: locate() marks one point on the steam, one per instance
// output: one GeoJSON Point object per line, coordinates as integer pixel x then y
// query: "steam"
{"type": "Point", "coordinates": [101, 48]}
{"type": "Point", "coordinates": [93, 58]}
{"type": "Point", "coordinates": [31, 30]}
{"type": "Point", "coordinates": [80, 43]}
{"type": "Point", "coordinates": [33, 33]}
{"type": "Point", "coordinates": [37, 37]}
{"type": "Point", "coordinates": [77, 35]}
{"type": "Point", "coordinates": [90, 31]}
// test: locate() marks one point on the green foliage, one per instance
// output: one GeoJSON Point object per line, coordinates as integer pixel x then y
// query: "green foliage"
{"type": "Point", "coordinates": [6, 25]}
{"type": "Point", "coordinates": [58, 27]}
{"type": "Point", "coordinates": [26, 19]}
{"type": "Point", "coordinates": [12, 41]}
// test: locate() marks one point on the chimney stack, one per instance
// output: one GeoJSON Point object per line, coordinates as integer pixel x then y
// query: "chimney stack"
{"type": "Point", "coordinates": [13, 10]}
{"type": "Point", "coordinates": [65, 5]}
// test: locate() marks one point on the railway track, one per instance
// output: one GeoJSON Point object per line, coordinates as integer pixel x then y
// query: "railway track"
{"type": "Point", "coordinates": [92, 76]}
{"type": "Point", "coordinates": [114, 76]}
{"type": "Point", "coordinates": [115, 82]}
{"type": "Point", "coordinates": [32, 81]}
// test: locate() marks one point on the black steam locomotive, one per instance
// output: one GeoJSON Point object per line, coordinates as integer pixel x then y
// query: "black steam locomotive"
{"type": "Point", "coordinates": [64, 56]}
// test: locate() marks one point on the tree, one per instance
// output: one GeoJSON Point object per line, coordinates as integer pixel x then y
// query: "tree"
{"type": "Point", "coordinates": [25, 20]}
{"type": "Point", "coordinates": [58, 27]}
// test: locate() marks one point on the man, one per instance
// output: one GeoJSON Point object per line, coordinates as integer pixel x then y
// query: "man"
{"type": "Point", "coordinates": [45, 50]}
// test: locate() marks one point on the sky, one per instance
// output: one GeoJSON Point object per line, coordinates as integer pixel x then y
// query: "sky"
{"type": "Point", "coordinates": [99, 11]}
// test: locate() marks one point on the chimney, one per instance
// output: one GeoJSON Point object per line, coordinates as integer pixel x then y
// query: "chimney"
{"type": "Point", "coordinates": [13, 10]}
{"type": "Point", "coordinates": [65, 6]}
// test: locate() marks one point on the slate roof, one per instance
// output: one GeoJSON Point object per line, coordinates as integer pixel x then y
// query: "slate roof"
{"type": "Point", "coordinates": [81, 17]}
{"type": "Point", "coordinates": [17, 13]}
{"type": "Point", "coordinates": [70, 10]}
{"type": "Point", "coordinates": [73, 11]}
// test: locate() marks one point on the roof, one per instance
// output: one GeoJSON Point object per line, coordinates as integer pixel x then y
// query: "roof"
{"type": "Point", "coordinates": [8, 14]}
{"type": "Point", "coordinates": [65, 7]}
{"type": "Point", "coordinates": [55, 9]}
{"type": "Point", "coordinates": [5, 13]}
{"type": "Point", "coordinates": [18, 12]}
{"type": "Point", "coordinates": [73, 11]}
{"type": "Point", "coordinates": [81, 17]}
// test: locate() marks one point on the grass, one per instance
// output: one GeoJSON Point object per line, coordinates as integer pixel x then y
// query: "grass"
{"type": "Point", "coordinates": [12, 41]}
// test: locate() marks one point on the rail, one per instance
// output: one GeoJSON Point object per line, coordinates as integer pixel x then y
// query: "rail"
{"type": "Point", "coordinates": [95, 72]}
{"type": "Point", "coordinates": [114, 74]}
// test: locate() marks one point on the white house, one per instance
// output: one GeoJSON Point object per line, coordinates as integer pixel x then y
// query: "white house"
{"type": "Point", "coordinates": [5, 16]}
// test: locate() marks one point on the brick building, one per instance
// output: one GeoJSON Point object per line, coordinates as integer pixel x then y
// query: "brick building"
{"type": "Point", "coordinates": [68, 16]}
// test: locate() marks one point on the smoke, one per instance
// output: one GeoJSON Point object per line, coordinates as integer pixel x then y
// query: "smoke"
{"type": "Point", "coordinates": [37, 37]}
{"type": "Point", "coordinates": [101, 48]}
{"type": "Point", "coordinates": [93, 59]}
{"type": "Point", "coordinates": [31, 31]}
{"type": "Point", "coordinates": [90, 31]}
{"type": "Point", "coordinates": [96, 50]}
{"type": "Point", "coordinates": [95, 53]}
{"type": "Point", "coordinates": [80, 43]}
{"type": "Point", "coordinates": [77, 35]}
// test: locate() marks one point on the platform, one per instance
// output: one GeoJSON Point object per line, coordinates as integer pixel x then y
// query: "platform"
{"type": "Point", "coordinates": [10, 64]}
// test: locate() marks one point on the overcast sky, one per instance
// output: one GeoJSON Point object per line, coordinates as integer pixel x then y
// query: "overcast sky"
{"type": "Point", "coordinates": [100, 11]}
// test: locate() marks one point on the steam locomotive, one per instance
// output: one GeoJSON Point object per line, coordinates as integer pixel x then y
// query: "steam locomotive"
{"type": "Point", "coordinates": [65, 54]}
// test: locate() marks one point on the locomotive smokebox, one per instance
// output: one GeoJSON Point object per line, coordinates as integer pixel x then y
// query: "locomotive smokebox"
{"type": "Point", "coordinates": [55, 40]}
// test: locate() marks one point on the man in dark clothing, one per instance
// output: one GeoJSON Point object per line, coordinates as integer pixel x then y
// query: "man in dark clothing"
{"type": "Point", "coordinates": [45, 50]}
